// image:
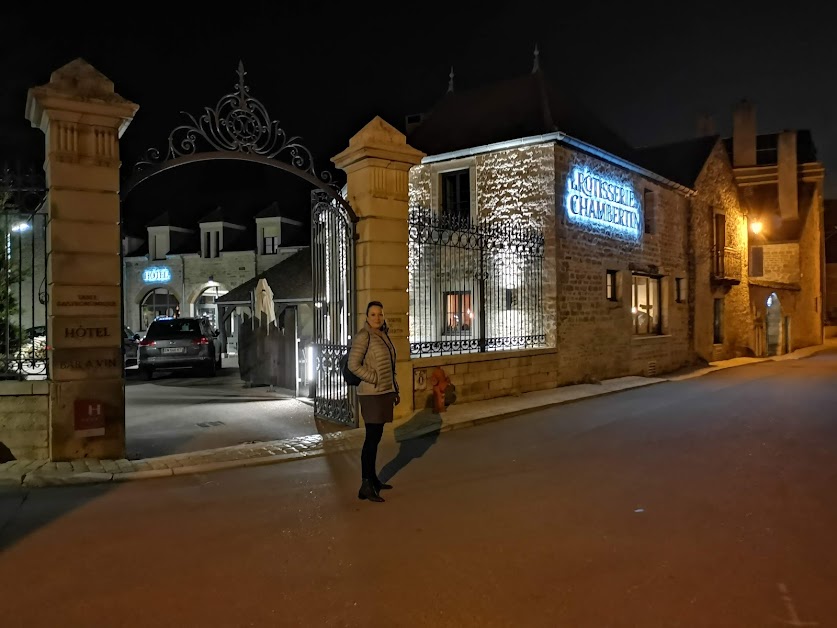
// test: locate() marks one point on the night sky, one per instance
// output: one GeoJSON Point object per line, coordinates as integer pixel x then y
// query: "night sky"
{"type": "Point", "coordinates": [324, 71]}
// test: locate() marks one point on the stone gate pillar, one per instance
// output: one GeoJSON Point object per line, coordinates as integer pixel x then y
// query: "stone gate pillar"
{"type": "Point", "coordinates": [377, 164]}
{"type": "Point", "coordinates": [83, 118]}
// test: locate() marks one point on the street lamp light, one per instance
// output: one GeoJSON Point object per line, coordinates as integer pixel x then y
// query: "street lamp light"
{"type": "Point", "coordinates": [756, 227]}
{"type": "Point", "coordinates": [21, 226]}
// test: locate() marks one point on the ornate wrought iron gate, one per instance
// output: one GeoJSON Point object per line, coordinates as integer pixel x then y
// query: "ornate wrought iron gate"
{"type": "Point", "coordinates": [239, 128]}
{"type": "Point", "coordinates": [332, 259]}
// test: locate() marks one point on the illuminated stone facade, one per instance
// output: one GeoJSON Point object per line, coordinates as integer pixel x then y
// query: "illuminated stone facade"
{"type": "Point", "coordinates": [589, 337]}
{"type": "Point", "coordinates": [717, 199]}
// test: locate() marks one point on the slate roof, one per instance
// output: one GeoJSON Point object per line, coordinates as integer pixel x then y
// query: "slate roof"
{"type": "Point", "coordinates": [681, 162]}
{"type": "Point", "coordinates": [511, 109]}
{"type": "Point", "coordinates": [289, 279]}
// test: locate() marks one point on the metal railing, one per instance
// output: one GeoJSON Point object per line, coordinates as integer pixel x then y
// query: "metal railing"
{"type": "Point", "coordinates": [727, 264]}
{"type": "Point", "coordinates": [473, 287]}
{"type": "Point", "coordinates": [23, 295]}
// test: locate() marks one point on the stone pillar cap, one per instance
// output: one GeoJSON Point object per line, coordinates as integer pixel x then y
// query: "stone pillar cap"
{"type": "Point", "coordinates": [378, 140]}
{"type": "Point", "coordinates": [80, 90]}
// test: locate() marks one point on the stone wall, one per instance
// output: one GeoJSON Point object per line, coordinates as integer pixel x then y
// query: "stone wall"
{"type": "Point", "coordinates": [486, 375]}
{"type": "Point", "coordinates": [831, 292]}
{"type": "Point", "coordinates": [24, 420]}
{"type": "Point", "coordinates": [781, 262]}
{"type": "Point", "coordinates": [806, 325]}
{"type": "Point", "coordinates": [595, 335]}
{"type": "Point", "coordinates": [717, 193]}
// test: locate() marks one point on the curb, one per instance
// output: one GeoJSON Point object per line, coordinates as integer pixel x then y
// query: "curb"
{"type": "Point", "coordinates": [39, 479]}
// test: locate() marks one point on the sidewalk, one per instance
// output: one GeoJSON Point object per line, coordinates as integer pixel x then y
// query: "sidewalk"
{"type": "Point", "coordinates": [36, 473]}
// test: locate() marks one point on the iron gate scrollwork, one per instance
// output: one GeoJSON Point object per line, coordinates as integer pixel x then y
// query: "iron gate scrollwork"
{"type": "Point", "coordinates": [333, 255]}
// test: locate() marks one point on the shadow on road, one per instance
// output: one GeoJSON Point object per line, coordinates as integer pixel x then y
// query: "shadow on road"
{"type": "Point", "coordinates": [416, 436]}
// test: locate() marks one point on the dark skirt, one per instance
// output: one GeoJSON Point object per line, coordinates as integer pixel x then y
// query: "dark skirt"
{"type": "Point", "coordinates": [377, 408]}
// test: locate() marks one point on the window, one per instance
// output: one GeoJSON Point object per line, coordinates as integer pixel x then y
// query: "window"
{"type": "Point", "coordinates": [610, 285]}
{"type": "Point", "coordinates": [456, 195]}
{"type": "Point", "coordinates": [158, 302]}
{"type": "Point", "coordinates": [459, 317]}
{"type": "Point", "coordinates": [207, 251]}
{"type": "Point", "coordinates": [271, 245]}
{"type": "Point", "coordinates": [718, 322]}
{"type": "Point", "coordinates": [217, 244]}
{"type": "Point", "coordinates": [756, 261]}
{"type": "Point", "coordinates": [645, 305]}
{"type": "Point", "coordinates": [679, 290]}
{"type": "Point", "coordinates": [720, 241]}
{"type": "Point", "coordinates": [649, 210]}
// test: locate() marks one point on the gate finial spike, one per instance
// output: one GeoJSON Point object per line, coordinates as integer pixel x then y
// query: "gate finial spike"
{"type": "Point", "coordinates": [536, 66]}
{"type": "Point", "coordinates": [450, 83]}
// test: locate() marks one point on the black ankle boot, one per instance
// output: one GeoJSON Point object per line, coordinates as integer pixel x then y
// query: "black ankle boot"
{"type": "Point", "coordinates": [368, 491]}
{"type": "Point", "coordinates": [380, 485]}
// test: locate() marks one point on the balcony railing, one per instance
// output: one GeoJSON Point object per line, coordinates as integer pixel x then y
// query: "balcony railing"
{"type": "Point", "coordinates": [727, 265]}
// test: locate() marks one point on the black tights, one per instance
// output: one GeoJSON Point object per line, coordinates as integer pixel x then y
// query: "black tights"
{"type": "Point", "coordinates": [369, 453]}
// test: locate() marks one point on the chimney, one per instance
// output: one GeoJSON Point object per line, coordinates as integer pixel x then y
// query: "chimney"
{"type": "Point", "coordinates": [705, 125]}
{"type": "Point", "coordinates": [744, 135]}
{"type": "Point", "coordinates": [786, 160]}
{"type": "Point", "coordinates": [412, 121]}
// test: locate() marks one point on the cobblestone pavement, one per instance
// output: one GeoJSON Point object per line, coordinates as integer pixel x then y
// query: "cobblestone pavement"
{"type": "Point", "coordinates": [36, 473]}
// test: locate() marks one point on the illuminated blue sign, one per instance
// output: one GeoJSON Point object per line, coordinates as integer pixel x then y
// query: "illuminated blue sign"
{"type": "Point", "coordinates": [156, 274]}
{"type": "Point", "coordinates": [602, 203]}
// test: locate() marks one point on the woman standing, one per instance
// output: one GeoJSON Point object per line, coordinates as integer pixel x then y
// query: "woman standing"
{"type": "Point", "coordinates": [372, 359]}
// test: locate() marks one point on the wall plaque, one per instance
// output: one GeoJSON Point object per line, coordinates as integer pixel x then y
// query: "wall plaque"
{"type": "Point", "coordinates": [85, 301]}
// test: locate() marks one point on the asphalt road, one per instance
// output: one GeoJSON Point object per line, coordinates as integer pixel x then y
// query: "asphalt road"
{"type": "Point", "coordinates": [178, 412]}
{"type": "Point", "coordinates": [701, 503]}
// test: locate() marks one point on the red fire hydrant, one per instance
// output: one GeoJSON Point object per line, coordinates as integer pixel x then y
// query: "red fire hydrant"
{"type": "Point", "coordinates": [440, 381]}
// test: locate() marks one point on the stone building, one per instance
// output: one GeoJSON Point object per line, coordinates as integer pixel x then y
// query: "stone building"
{"type": "Point", "coordinates": [719, 300]}
{"type": "Point", "coordinates": [592, 282]}
{"type": "Point", "coordinates": [650, 259]}
{"type": "Point", "coordinates": [780, 184]}
{"type": "Point", "coordinates": [182, 269]}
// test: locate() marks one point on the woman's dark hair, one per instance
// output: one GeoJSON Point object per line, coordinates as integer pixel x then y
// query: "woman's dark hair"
{"type": "Point", "coordinates": [373, 304]}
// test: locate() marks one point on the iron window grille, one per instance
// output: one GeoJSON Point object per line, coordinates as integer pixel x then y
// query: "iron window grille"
{"type": "Point", "coordinates": [473, 287]}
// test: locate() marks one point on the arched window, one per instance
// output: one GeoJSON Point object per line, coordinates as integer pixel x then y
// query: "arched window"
{"type": "Point", "coordinates": [158, 302]}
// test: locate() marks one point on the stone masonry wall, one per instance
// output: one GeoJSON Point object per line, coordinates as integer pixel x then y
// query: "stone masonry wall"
{"type": "Point", "coordinates": [781, 262]}
{"type": "Point", "coordinates": [517, 187]}
{"type": "Point", "coordinates": [831, 292]}
{"type": "Point", "coordinates": [806, 324]}
{"type": "Point", "coordinates": [595, 336]}
{"type": "Point", "coordinates": [24, 420]}
{"type": "Point", "coordinates": [717, 193]}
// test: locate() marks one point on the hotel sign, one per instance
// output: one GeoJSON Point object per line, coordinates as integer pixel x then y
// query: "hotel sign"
{"type": "Point", "coordinates": [602, 203]}
{"type": "Point", "coordinates": [156, 274]}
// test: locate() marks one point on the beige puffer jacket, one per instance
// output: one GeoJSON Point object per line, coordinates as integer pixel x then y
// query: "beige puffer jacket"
{"type": "Point", "coordinates": [375, 364]}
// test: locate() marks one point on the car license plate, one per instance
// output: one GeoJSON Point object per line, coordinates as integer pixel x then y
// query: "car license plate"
{"type": "Point", "coordinates": [173, 350]}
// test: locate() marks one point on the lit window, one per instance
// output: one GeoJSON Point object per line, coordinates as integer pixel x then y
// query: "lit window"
{"type": "Point", "coordinates": [610, 286]}
{"type": "Point", "coordinates": [645, 305]}
{"type": "Point", "coordinates": [459, 315]}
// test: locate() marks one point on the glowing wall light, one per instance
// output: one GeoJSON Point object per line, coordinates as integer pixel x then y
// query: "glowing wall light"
{"type": "Point", "coordinates": [309, 370]}
{"type": "Point", "coordinates": [601, 203]}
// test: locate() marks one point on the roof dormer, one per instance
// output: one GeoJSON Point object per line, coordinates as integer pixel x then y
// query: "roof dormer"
{"type": "Point", "coordinates": [216, 230]}
{"type": "Point", "coordinates": [274, 231]}
{"type": "Point", "coordinates": [165, 235]}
